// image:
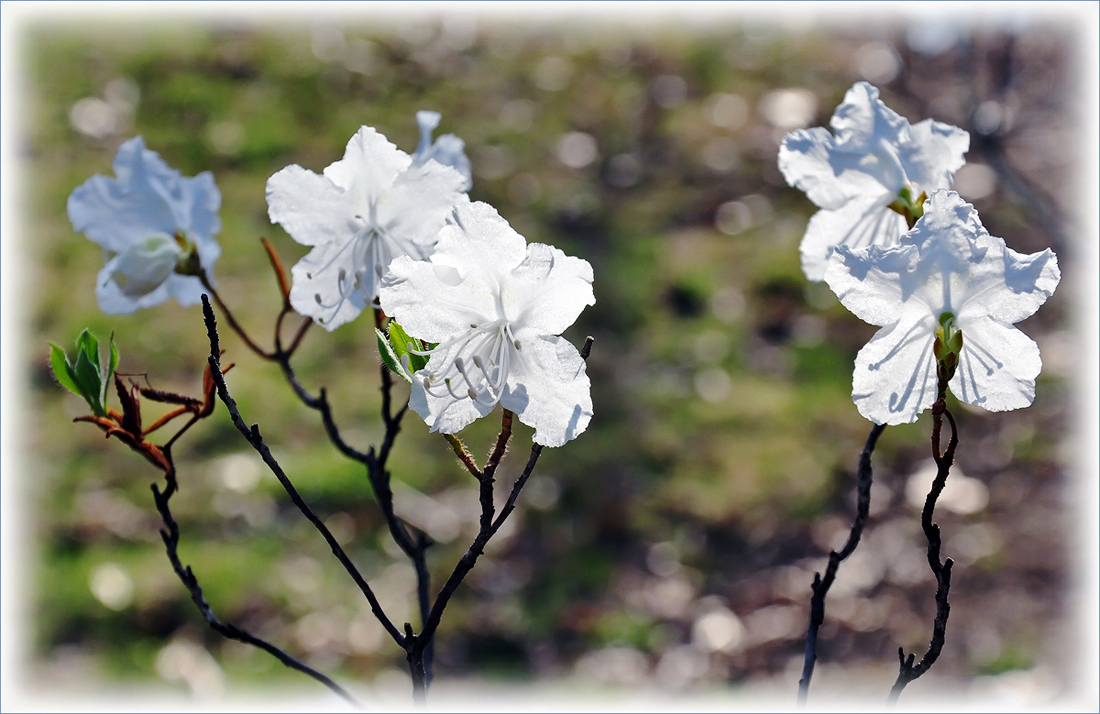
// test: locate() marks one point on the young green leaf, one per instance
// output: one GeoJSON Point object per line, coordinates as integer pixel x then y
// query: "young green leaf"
{"type": "Point", "coordinates": [62, 370]}
{"type": "Point", "coordinates": [112, 365]}
{"type": "Point", "coordinates": [89, 345]}
{"type": "Point", "coordinates": [389, 358]}
{"type": "Point", "coordinates": [401, 346]}
{"type": "Point", "coordinates": [88, 380]}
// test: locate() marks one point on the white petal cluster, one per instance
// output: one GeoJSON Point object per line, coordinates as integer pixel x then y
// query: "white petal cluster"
{"type": "Point", "coordinates": [147, 219]}
{"type": "Point", "coordinates": [370, 207]}
{"type": "Point", "coordinates": [948, 263]}
{"type": "Point", "coordinates": [496, 307]}
{"type": "Point", "coordinates": [855, 174]}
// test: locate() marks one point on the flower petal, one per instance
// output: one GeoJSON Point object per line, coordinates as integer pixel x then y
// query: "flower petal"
{"type": "Point", "coordinates": [185, 289]}
{"type": "Point", "coordinates": [433, 301]}
{"type": "Point", "coordinates": [808, 160]}
{"type": "Point", "coordinates": [875, 283]}
{"type": "Point", "coordinates": [416, 207]}
{"type": "Point", "coordinates": [859, 223]}
{"type": "Point", "coordinates": [933, 154]}
{"type": "Point", "coordinates": [895, 373]}
{"type": "Point", "coordinates": [1011, 288]}
{"type": "Point", "coordinates": [205, 200]}
{"type": "Point", "coordinates": [370, 165]}
{"type": "Point", "coordinates": [546, 293]}
{"type": "Point", "coordinates": [316, 288]}
{"type": "Point", "coordinates": [310, 207]}
{"type": "Point", "coordinates": [998, 366]}
{"type": "Point", "coordinates": [117, 212]}
{"type": "Point", "coordinates": [437, 300]}
{"type": "Point", "coordinates": [550, 390]}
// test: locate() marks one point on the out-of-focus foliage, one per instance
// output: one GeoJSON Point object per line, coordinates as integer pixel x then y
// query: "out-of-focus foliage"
{"type": "Point", "coordinates": [673, 542]}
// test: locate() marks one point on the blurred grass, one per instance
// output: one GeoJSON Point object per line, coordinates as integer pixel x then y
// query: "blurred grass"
{"type": "Point", "coordinates": [721, 380]}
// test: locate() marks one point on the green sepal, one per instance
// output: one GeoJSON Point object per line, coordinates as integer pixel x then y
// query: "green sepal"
{"type": "Point", "coordinates": [62, 370]}
{"type": "Point", "coordinates": [389, 358]}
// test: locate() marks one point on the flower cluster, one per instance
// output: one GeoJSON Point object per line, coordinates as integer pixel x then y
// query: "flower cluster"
{"type": "Point", "coordinates": [494, 307]}
{"type": "Point", "coordinates": [904, 253]}
{"type": "Point", "coordinates": [156, 229]}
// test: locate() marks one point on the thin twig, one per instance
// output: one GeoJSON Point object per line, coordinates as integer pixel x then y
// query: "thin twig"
{"type": "Point", "coordinates": [821, 584]}
{"type": "Point", "coordinates": [171, 536]}
{"type": "Point", "coordinates": [252, 435]}
{"type": "Point", "coordinates": [907, 671]}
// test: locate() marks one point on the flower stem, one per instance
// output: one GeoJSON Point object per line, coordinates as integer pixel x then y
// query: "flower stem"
{"type": "Point", "coordinates": [907, 670]}
{"type": "Point", "coordinates": [821, 585]}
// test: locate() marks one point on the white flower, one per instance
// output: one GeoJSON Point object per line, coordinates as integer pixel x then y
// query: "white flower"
{"type": "Point", "coordinates": [152, 224]}
{"type": "Point", "coordinates": [875, 158]}
{"type": "Point", "coordinates": [948, 266]}
{"type": "Point", "coordinates": [495, 306]}
{"type": "Point", "coordinates": [368, 208]}
{"type": "Point", "coordinates": [447, 149]}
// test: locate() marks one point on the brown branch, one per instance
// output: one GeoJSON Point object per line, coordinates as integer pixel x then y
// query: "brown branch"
{"type": "Point", "coordinates": [907, 671]}
{"type": "Point", "coordinates": [171, 536]}
{"type": "Point", "coordinates": [821, 585]}
{"type": "Point", "coordinates": [253, 437]}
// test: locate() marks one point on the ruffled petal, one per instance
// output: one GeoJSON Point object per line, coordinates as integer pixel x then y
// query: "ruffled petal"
{"type": "Point", "coordinates": [370, 165]}
{"type": "Point", "coordinates": [862, 120]}
{"type": "Point", "coordinates": [895, 373]}
{"type": "Point", "coordinates": [317, 285]}
{"type": "Point", "coordinates": [857, 224]}
{"type": "Point", "coordinates": [1009, 286]}
{"type": "Point", "coordinates": [550, 390]}
{"type": "Point", "coordinates": [311, 208]}
{"type": "Point", "coordinates": [439, 299]}
{"type": "Point", "coordinates": [433, 301]}
{"type": "Point", "coordinates": [808, 160]}
{"type": "Point", "coordinates": [934, 154]}
{"type": "Point", "coordinates": [546, 293]}
{"type": "Point", "coordinates": [998, 366]}
{"type": "Point", "coordinates": [874, 283]}
{"type": "Point", "coordinates": [117, 212]}
{"type": "Point", "coordinates": [205, 201]}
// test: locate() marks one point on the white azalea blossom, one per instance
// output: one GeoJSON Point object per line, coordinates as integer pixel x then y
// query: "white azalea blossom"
{"type": "Point", "coordinates": [156, 228]}
{"type": "Point", "coordinates": [448, 149]}
{"type": "Point", "coordinates": [875, 157]}
{"type": "Point", "coordinates": [496, 307]}
{"type": "Point", "coordinates": [948, 266]}
{"type": "Point", "coordinates": [365, 210]}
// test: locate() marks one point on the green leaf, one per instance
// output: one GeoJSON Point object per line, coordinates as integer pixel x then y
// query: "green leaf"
{"type": "Point", "coordinates": [112, 365]}
{"type": "Point", "coordinates": [401, 346]}
{"type": "Point", "coordinates": [88, 380]}
{"type": "Point", "coordinates": [62, 370]}
{"type": "Point", "coordinates": [89, 345]}
{"type": "Point", "coordinates": [391, 360]}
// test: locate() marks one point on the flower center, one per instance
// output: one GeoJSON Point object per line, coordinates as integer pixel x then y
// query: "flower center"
{"type": "Point", "coordinates": [479, 369]}
{"type": "Point", "coordinates": [371, 254]}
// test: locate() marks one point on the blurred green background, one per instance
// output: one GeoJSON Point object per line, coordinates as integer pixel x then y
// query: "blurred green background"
{"type": "Point", "coordinates": [670, 547]}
